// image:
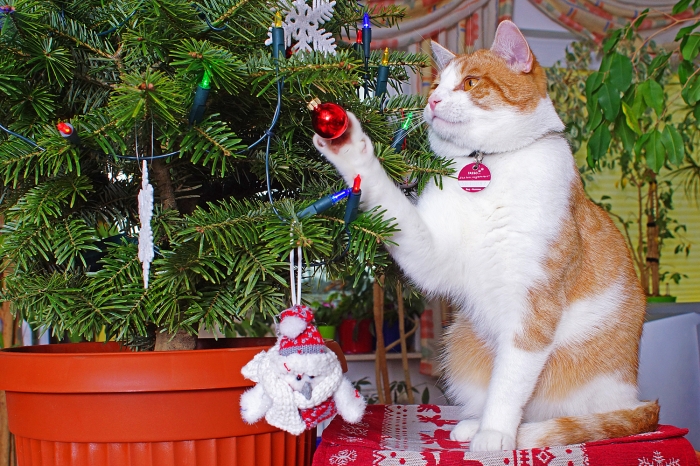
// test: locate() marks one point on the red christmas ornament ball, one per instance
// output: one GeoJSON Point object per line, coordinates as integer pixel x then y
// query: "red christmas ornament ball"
{"type": "Point", "coordinates": [329, 120]}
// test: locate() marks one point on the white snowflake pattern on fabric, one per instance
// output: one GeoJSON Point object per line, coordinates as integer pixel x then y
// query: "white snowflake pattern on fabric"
{"type": "Point", "coordinates": [344, 457]}
{"type": "Point", "coordinates": [658, 460]}
{"type": "Point", "coordinates": [302, 23]}
{"type": "Point", "coordinates": [145, 232]}
{"type": "Point", "coordinates": [354, 430]}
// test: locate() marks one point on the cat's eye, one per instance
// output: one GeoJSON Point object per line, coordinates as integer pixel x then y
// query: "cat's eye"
{"type": "Point", "coordinates": [298, 377]}
{"type": "Point", "coordinates": [470, 82]}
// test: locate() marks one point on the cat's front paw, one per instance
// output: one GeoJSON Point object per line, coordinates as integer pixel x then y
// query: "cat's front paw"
{"type": "Point", "coordinates": [465, 430]}
{"type": "Point", "coordinates": [349, 152]}
{"type": "Point", "coordinates": [491, 440]}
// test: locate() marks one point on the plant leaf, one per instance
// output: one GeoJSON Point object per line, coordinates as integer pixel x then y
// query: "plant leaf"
{"type": "Point", "coordinates": [690, 90]}
{"type": "Point", "coordinates": [609, 100]}
{"type": "Point", "coordinates": [625, 133]}
{"type": "Point", "coordinates": [673, 142]}
{"type": "Point", "coordinates": [425, 396]}
{"type": "Point", "coordinates": [640, 144]}
{"type": "Point", "coordinates": [682, 32]}
{"type": "Point", "coordinates": [658, 63]}
{"type": "Point", "coordinates": [612, 41]}
{"type": "Point", "coordinates": [631, 118]}
{"type": "Point", "coordinates": [620, 76]}
{"type": "Point", "coordinates": [653, 95]}
{"type": "Point", "coordinates": [598, 145]}
{"type": "Point", "coordinates": [655, 154]}
{"type": "Point", "coordinates": [638, 21]}
{"type": "Point", "coordinates": [685, 70]}
{"type": "Point", "coordinates": [690, 46]}
{"type": "Point", "coordinates": [593, 83]}
{"type": "Point", "coordinates": [681, 6]}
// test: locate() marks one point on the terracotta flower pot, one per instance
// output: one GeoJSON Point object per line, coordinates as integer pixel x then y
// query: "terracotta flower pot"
{"type": "Point", "coordinates": [101, 404]}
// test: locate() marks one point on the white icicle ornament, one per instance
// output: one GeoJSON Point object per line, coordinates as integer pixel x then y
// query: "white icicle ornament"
{"type": "Point", "coordinates": [145, 233]}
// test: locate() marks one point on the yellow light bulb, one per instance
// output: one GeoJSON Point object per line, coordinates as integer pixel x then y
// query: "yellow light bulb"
{"type": "Point", "coordinates": [278, 19]}
{"type": "Point", "coordinates": [385, 57]}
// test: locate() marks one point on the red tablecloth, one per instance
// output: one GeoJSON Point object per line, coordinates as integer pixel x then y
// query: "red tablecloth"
{"type": "Point", "coordinates": [420, 435]}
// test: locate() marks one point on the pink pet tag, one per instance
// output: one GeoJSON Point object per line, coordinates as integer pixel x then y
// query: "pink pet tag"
{"type": "Point", "coordinates": [473, 178]}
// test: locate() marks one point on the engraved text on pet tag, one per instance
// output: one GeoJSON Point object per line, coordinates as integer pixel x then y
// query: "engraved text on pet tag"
{"type": "Point", "coordinates": [474, 177]}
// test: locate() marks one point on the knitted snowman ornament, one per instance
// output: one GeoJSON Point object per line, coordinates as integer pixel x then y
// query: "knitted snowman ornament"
{"type": "Point", "coordinates": [299, 380]}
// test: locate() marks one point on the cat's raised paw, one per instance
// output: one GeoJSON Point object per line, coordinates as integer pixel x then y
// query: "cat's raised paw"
{"type": "Point", "coordinates": [465, 430]}
{"type": "Point", "coordinates": [352, 153]}
{"type": "Point", "coordinates": [491, 440]}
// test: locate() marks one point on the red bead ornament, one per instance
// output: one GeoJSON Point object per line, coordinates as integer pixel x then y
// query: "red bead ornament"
{"type": "Point", "coordinates": [66, 129]}
{"type": "Point", "coordinates": [329, 120]}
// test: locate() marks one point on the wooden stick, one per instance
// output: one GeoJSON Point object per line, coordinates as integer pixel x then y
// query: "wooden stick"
{"type": "Point", "coordinates": [404, 351]}
{"type": "Point", "coordinates": [380, 364]}
{"type": "Point", "coordinates": [377, 365]}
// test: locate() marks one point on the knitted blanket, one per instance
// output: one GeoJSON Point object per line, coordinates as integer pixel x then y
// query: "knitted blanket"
{"type": "Point", "coordinates": [419, 435]}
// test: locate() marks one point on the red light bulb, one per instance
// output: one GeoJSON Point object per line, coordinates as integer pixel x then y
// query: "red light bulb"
{"type": "Point", "coordinates": [66, 129]}
{"type": "Point", "coordinates": [329, 120]}
{"type": "Point", "coordinates": [356, 184]}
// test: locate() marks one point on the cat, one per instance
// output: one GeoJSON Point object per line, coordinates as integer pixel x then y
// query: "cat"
{"type": "Point", "coordinates": [544, 347]}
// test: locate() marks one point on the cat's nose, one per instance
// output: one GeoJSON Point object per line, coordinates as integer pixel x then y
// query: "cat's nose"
{"type": "Point", "coordinates": [433, 101]}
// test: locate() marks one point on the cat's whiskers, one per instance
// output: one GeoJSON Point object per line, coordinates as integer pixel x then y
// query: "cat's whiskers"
{"type": "Point", "coordinates": [416, 121]}
{"type": "Point", "coordinates": [414, 126]}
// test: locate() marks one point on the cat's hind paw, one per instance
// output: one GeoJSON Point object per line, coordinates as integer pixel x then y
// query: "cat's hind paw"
{"type": "Point", "coordinates": [491, 440]}
{"type": "Point", "coordinates": [465, 430]}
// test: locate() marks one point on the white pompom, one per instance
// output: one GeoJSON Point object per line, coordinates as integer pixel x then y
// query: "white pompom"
{"type": "Point", "coordinates": [292, 326]}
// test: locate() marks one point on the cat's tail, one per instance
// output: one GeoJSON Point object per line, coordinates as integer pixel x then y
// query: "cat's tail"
{"type": "Point", "coordinates": [590, 427]}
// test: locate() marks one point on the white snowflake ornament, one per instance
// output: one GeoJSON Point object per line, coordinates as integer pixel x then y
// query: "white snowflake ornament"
{"type": "Point", "coordinates": [145, 232]}
{"type": "Point", "coordinates": [302, 23]}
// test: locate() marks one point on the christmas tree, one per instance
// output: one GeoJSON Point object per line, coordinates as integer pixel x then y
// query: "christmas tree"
{"type": "Point", "coordinates": [94, 94]}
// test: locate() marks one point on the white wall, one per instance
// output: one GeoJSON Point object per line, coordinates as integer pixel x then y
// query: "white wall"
{"type": "Point", "coordinates": [669, 370]}
{"type": "Point", "coordinates": [547, 39]}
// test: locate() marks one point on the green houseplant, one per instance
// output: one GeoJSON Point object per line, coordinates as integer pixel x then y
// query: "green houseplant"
{"type": "Point", "coordinates": [583, 99]}
{"type": "Point", "coordinates": [327, 319]}
{"type": "Point", "coordinates": [643, 117]}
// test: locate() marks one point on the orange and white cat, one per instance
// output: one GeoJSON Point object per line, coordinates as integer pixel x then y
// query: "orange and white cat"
{"type": "Point", "coordinates": [544, 349]}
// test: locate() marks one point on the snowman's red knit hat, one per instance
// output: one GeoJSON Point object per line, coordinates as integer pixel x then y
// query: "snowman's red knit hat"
{"type": "Point", "coordinates": [298, 335]}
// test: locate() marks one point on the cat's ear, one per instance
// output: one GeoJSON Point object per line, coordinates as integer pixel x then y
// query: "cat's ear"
{"type": "Point", "coordinates": [512, 46]}
{"type": "Point", "coordinates": [441, 54]}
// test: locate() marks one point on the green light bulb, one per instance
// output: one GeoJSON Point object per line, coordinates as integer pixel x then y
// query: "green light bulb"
{"type": "Point", "coordinates": [205, 83]}
{"type": "Point", "coordinates": [407, 123]}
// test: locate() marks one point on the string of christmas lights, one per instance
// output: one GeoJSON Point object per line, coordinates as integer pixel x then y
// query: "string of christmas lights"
{"type": "Point", "coordinates": [121, 23]}
{"type": "Point", "coordinates": [366, 42]}
{"type": "Point", "coordinates": [203, 15]}
{"type": "Point", "coordinates": [329, 120]}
